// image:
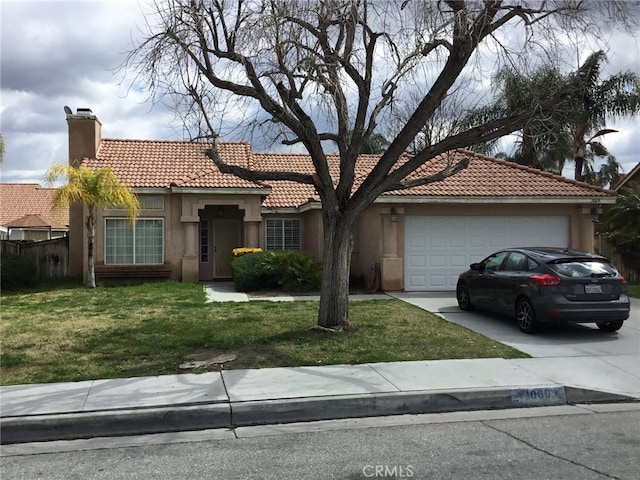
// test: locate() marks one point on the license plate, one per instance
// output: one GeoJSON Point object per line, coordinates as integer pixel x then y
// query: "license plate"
{"type": "Point", "coordinates": [592, 288]}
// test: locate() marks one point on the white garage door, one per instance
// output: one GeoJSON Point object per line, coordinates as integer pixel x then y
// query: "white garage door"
{"type": "Point", "coordinates": [438, 249]}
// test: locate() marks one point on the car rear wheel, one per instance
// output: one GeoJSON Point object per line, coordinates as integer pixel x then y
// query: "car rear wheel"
{"type": "Point", "coordinates": [526, 316]}
{"type": "Point", "coordinates": [612, 326]}
{"type": "Point", "coordinates": [463, 297]}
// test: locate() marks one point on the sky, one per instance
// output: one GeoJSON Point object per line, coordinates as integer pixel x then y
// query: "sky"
{"type": "Point", "coordinates": [57, 53]}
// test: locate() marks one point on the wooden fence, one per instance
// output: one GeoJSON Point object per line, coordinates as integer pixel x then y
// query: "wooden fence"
{"type": "Point", "coordinates": [605, 248]}
{"type": "Point", "coordinates": [51, 257]}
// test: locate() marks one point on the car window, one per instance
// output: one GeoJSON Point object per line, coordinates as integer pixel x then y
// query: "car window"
{"type": "Point", "coordinates": [517, 262]}
{"type": "Point", "coordinates": [493, 262]}
{"type": "Point", "coordinates": [583, 268]}
{"type": "Point", "coordinates": [531, 264]}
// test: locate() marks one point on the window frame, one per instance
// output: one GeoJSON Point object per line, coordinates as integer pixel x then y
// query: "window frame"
{"type": "Point", "coordinates": [203, 230]}
{"type": "Point", "coordinates": [133, 234]}
{"type": "Point", "coordinates": [283, 221]}
{"type": "Point", "coordinates": [151, 198]}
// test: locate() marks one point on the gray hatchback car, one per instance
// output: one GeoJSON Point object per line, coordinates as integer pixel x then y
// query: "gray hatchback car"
{"type": "Point", "coordinates": [541, 285]}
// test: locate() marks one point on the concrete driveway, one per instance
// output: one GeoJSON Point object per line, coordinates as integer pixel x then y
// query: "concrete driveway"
{"type": "Point", "coordinates": [610, 361]}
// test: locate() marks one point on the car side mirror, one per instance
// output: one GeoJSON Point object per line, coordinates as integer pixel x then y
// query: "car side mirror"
{"type": "Point", "coordinates": [478, 267]}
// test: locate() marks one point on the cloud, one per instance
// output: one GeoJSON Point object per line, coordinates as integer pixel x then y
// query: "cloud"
{"type": "Point", "coordinates": [62, 52]}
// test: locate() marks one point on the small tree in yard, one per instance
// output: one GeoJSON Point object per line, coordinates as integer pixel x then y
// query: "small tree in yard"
{"type": "Point", "coordinates": [95, 189]}
{"type": "Point", "coordinates": [324, 74]}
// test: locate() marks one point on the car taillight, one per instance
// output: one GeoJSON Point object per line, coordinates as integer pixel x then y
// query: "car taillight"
{"type": "Point", "coordinates": [623, 280]}
{"type": "Point", "coordinates": [546, 280]}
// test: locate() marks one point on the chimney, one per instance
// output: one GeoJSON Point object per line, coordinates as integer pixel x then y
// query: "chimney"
{"type": "Point", "coordinates": [85, 134]}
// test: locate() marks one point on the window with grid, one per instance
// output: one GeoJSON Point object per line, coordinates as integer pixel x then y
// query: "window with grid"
{"type": "Point", "coordinates": [284, 234]}
{"type": "Point", "coordinates": [151, 202]}
{"type": "Point", "coordinates": [204, 240]}
{"type": "Point", "coordinates": [141, 243]}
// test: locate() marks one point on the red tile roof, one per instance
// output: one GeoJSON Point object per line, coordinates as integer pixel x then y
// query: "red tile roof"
{"type": "Point", "coordinates": [484, 177]}
{"type": "Point", "coordinates": [489, 177]}
{"type": "Point", "coordinates": [34, 221]}
{"type": "Point", "coordinates": [20, 199]}
{"type": "Point", "coordinates": [147, 163]}
{"type": "Point", "coordinates": [151, 163]}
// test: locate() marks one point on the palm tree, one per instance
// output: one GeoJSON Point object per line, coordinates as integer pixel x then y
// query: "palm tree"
{"type": "Point", "coordinates": [595, 101]}
{"type": "Point", "coordinates": [570, 131]}
{"type": "Point", "coordinates": [95, 189]}
{"type": "Point", "coordinates": [608, 174]}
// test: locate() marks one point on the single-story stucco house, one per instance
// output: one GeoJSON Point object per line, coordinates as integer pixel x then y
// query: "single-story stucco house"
{"type": "Point", "coordinates": [193, 216]}
{"type": "Point", "coordinates": [26, 213]}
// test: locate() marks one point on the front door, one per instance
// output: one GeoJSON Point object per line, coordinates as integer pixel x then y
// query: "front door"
{"type": "Point", "coordinates": [226, 237]}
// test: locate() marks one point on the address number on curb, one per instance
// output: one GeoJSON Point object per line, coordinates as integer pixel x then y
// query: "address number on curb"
{"type": "Point", "coordinates": [538, 395]}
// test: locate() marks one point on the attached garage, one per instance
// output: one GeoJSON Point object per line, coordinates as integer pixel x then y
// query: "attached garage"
{"type": "Point", "coordinates": [439, 248]}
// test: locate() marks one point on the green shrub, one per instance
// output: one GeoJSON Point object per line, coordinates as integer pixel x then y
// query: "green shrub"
{"type": "Point", "coordinates": [292, 271]}
{"type": "Point", "coordinates": [247, 272]}
{"type": "Point", "coordinates": [289, 270]}
{"type": "Point", "coordinates": [17, 272]}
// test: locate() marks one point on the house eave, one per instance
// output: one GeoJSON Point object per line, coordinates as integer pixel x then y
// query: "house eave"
{"type": "Point", "coordinates": [418, 199]}
{"type": "Point", "coordinates": [299, 209]}
{"type": "Point", "coordinates": [222, 191]}
{"type": "Point", "coordinates": [150, 190]}
{"type": "Point", "coordinates": [279, 211]}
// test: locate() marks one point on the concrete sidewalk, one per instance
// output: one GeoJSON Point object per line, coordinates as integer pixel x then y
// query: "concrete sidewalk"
{"type": "Point", "coordinates": [225, 292]}
{"type": "Point", "coordinates": [282, 395]}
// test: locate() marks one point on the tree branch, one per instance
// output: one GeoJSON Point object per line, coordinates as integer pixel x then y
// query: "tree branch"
{"type": "Point", "coordinates": [257, 175]}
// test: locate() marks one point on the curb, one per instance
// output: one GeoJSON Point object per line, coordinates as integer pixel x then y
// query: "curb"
{"type": "Point", "coordinates": [71, 426]}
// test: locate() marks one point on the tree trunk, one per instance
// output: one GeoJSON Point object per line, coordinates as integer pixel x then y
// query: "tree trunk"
{"type": "Point", "coordinates": [580, 147]}
{"type": "Point", "coordinates": [91, 235]}
{"type": "Point", "coordinates": [579, 163]}
{"type": "Point", "coordinates": [333, 312]}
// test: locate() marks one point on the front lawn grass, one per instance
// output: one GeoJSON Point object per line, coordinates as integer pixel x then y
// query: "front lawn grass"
{"type": "Point", "coordinates": [634, 291]}
{"type": "Point", "coordinates": [71, 333]}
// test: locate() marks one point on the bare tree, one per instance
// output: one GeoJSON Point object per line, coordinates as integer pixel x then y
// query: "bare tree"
{"type": "Point", "coordinates": [318, 72]}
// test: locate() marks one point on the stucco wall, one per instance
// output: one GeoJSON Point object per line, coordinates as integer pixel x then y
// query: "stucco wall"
{"type": "Point", "coordinates": [381, 240]}
{"type": "Point", "coordinates": [377, 237]}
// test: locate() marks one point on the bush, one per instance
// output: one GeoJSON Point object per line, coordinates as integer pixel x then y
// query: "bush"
{"type": "Point", "coordinates": [17, 272]}
{"type": "Point", "coordinates": [292, 271]}
{"type": "Point", "coordinates": [289, 270]}
{"type": "Point", "coordinates": [247, 272]}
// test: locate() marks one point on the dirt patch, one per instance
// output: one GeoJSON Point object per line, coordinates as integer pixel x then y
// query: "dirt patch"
{"type": "Point", "coordinates": [207, 359]}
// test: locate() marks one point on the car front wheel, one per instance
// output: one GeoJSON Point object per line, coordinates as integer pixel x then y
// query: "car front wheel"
{"type": "Point", "coordinates": [526, 316]}
{"type": "Point", "coordinates": [612, 326]}
{"type": "Point", "coordinates": [463, 297]}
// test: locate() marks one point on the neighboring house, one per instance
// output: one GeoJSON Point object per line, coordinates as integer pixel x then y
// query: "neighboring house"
{"type": "Point", "coordinates": [192, 215]}
{"type": "Point", "coordinates": [632, 177]}
{"type": "Point", "coordinates": [26, 214]}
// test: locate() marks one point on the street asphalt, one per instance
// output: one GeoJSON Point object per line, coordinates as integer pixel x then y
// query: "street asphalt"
{"type": "Point", "coordinates": [570, 365]}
